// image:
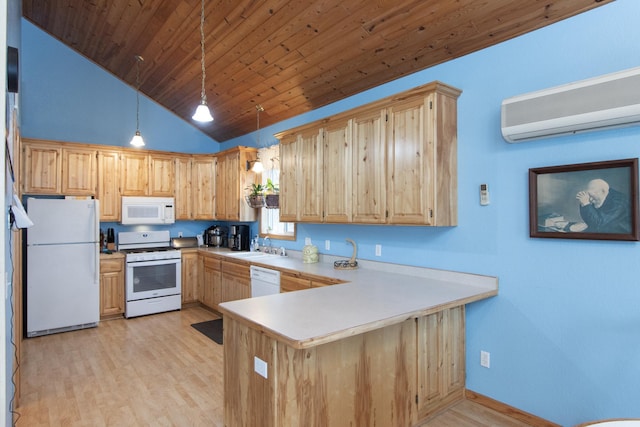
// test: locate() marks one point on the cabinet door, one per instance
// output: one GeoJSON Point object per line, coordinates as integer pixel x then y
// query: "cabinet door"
{"type": "Point", "coordinates": [369, 188]}
{"type": "Point", "coordinates": [42, 169]}
{"type": "Point", "coordinates": [211, 283]}
{"type": "Point", "coordinates": [337, 172]}
{"type": "Point", "coordinates": [134, 174]}
{"type": "Point", "coordinates": [161, 175]}
{"type": "Point", "coordinates": [236, 281]}
{"type": "Point", "coordinates": [203, 180]}
{"type": "Point", "coordinates": [109, 186]}
{"type": "Point", "coordinates": [288, 179]}
{"type": "Point", "coordinates": [441, 360]}
{"type": "Point", "coordinates": [111, 287]}
{"type": "Point", "coordinates": [225, 181]}
{"type": "Point", "coordinates": [79, 172]}
{"type": "Point", "coordinates": [182, 190]}
{"type": "Point", "coordinates": [310, 176]}
{"type": "Point", "coordinates": [190, 279]}
{"type": "Point", "coordinates": [410, 173]}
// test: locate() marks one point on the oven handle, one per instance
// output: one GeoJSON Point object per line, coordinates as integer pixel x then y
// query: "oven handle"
{"type": "Point", "coordinates": [154, 262]}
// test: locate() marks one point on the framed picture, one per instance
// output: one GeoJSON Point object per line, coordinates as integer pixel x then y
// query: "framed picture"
{"type": "Point", "coordinates": [597, 201]}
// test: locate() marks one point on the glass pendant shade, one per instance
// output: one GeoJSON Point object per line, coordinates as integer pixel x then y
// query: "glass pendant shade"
{"type": "Point", "coordinates": [202, 113]}
{"type": "Point", "coordinates": [137, 140]}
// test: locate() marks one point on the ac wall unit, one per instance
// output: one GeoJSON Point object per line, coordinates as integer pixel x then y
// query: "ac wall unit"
{"type": "Point", "coordinates": [604, 102]}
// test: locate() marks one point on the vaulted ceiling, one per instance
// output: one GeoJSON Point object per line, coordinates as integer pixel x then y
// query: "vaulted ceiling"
{"type": "Point", "coordinates": [290, 56]}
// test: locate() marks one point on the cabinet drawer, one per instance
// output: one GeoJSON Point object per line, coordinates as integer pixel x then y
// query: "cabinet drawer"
{"type": "Point", "coordinates": [290, 283]}
{"type": "Point", "coordinates": [111, 265]}
{"type": "Point", "coordinates": [211, 263]}
{"type": "Point", "coordinates": [233, 269]}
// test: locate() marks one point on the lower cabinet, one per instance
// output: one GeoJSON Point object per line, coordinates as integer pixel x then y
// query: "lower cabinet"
{"type": "Point", "coordinates": [290, 282]}
{"type": "Point", "coordinates": [441, 360]}
{"type": "Point", "coordinates": [111, 286]}
{"type": "Point", "coordinates": [236, 281]}
{"type": "Point", "coordinates": [190, 275]}
{"type": "Point", "coordinates": [211, 282]}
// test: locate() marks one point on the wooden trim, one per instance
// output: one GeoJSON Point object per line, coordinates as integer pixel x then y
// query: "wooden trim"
{"type": "Point", "coordinates": [608, 420]}
{"type": "Point", "coordinates": [507, 410]}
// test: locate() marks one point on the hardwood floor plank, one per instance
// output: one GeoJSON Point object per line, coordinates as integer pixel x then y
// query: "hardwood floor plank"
{"type": "Point", "coordinates": [149, 371]}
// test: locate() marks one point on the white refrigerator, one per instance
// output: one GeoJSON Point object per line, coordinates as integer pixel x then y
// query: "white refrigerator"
{"type": "Point", "coordinates": [63, 265]}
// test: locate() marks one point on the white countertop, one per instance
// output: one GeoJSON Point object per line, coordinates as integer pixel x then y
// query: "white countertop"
{"type": "Point", "coordinates": [378, 295]}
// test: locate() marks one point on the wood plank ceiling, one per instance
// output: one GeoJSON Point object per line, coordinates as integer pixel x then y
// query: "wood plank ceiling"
{"type": "Point", "coordinates": [290, 56]}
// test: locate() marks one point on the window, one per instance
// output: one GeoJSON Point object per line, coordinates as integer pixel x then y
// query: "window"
{"type": "Point", "coordinates": [270, 224]}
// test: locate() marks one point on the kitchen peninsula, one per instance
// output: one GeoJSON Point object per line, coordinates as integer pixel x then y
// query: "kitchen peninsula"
{"type": "Point", "coordinates": [387, 348]}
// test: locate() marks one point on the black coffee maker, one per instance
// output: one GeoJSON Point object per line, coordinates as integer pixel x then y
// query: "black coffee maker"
{"type": "Point", "coordinates": [239, 238]}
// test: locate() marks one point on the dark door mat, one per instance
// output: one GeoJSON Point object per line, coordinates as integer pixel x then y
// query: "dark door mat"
{"type": "Point", "coordinates": [211, 328]}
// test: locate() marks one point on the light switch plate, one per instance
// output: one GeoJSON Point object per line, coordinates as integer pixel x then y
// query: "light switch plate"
{"type": "Point", "coordinates": [307, 240]}
{"type": "Point", "coordinates": [327, 245]}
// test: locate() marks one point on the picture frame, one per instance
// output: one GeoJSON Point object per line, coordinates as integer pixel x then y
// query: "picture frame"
{"type": "Point", "coordinates": [596, 201]}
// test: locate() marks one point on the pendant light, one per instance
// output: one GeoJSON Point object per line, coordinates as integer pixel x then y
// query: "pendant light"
{"type": "Point", "coordinates": [202, 113]}
{"type": "Point", "coordinates": [258, 167]}
{"type": "Point", "coordinates": [137, 140]}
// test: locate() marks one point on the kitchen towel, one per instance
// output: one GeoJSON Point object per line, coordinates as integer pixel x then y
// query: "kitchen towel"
{"type": "Point", "coordinates": [212, 329]}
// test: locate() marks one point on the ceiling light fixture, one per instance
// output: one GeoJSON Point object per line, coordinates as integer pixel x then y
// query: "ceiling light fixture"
{"type": "Point", "coordinates": [137, 140]}
{"type": "Point", "coordinates": [202, 113]}
{"type": "Point", "coordinates": [257, 167]}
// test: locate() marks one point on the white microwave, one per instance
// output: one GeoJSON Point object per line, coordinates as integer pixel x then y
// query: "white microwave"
{"type": "Point", "coordinates": [148, 210]}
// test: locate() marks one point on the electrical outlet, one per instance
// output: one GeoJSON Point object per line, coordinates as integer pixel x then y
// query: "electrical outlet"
{"type": "Point", "coordinates": [378, 250]}
{"type": "Point", "coordinates": [179, 233]}
{"type": "Point", "coordinates": [260, 367]}
{"type": "Point", "coordinates": [307, 240]}
{"type": "Point", "coordinates": [485, 359]}
{"type": "Point", "coordinates": [327, 244]}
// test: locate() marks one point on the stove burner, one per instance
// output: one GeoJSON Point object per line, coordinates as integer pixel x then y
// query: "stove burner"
{"type": "Point", "coordinates": [145, 250]}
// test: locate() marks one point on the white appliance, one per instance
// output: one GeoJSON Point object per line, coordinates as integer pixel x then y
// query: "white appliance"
{"type": "Point", "coordinates": [63, 265]}
{"type": "Point", "coordinates": [148, 210]}
{"type": "Point", "coordinates": [153, 275]}
{"type": "Point", "coordinates": [264, 281]}
{"type": "Point", "coordinates": [604, 102]}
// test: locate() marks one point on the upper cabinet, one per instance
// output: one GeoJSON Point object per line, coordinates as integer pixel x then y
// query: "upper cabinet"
{"type": "Point", "coordinates": [390, 162]}
{"type": "Point", "coordinates": [205, 186]}
{"type": "Point", "coordinates": [147, 174]}
{"type": "Point", "coordinates": [232, 179]}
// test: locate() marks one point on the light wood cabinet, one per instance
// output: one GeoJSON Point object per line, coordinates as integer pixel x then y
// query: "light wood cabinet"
{"type": "Point", "coordinates": [112, 286]}
{"type": "Point", "coordinates": [79, 171]}
{"type": "Point", "coordinates": [290, 282]}
{"type": "Point", "coordinates": [402, 167]}
{"type": "Point", "coordinates": [441, 360]}
{"type": "Point", "coordinates": [288, 178]}
{"type": "Point", "coordinates": [109, 185]}
{"type": "Point", "coordinates": [369, 190]}
{"type": "Point", "coordinates": [302, 186]}
{"type": "Point", "coordinates": [182, 188]}
{"type": "Point", "coordinates": [337, 172]}
{"type": "Point", "coordinates": [190, 275]}
{"type": "Point", "coordinates": [203, 185]}
{"type": "Point", "coordinates": [236, 281]}
{"type": "Point", "coordinates": [134, 174]}
{"type": "Point", "coordinates": [232, 179]}
{"type": "Point", "coordinates": [161, 175]}
{"type": "Point", "coordinates": [42, 168]}
{"type": "Point", "coordinates": [212, 282]}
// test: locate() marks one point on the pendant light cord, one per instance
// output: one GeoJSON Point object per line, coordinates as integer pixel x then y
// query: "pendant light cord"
{"type": "Point", "coordinates": [138, 60]}
{"type": "Point", "coordinates": [203, 94]}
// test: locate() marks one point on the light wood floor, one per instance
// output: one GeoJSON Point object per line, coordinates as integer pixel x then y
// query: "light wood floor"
{"type": "Point", "coordinates": [148, 371]}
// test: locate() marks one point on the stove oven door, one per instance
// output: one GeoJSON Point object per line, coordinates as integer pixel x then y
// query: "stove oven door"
{"type": "Point", "coordinates": [152, 279]}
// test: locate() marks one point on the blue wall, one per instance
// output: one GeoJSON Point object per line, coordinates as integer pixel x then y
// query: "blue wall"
{"type": "Point", "coordinates": [67, 97]}
{"type": "Point", "coordinates": [564, 332]}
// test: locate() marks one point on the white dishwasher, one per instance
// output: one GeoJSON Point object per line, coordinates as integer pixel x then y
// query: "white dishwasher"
{"type": "Point", "coordinates": [264, 281]}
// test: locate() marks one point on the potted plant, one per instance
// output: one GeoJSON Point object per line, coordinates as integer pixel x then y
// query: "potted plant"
{"type": "Point", "coordinates": [271, 198]}
{"type": "Point", "coordinates": [255, 199]}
